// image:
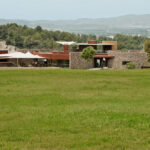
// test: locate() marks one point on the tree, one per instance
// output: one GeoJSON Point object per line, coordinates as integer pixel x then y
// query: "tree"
{"type": "Point", "coordinates": [38, 29]}
{"type": "Point", "coordinates": [19, 41]}
{"type": "Point", "coordinates": [88, 53]}
{"type": "Point", "coordinates": [39, 38]}
{"type": "Point", "coordinates": [147, 48]}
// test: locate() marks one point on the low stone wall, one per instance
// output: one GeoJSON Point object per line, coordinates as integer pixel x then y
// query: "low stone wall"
{"type": "Point", "coordinates": [76, 62]}
{"type": "Point", "coordinates": [138, 57]}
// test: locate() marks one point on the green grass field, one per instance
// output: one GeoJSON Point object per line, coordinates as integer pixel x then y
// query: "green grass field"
{"type": "Point", "coordinates": [74, 110]}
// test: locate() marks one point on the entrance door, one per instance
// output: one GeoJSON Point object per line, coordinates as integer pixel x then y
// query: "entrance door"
{"type": "Point", "coordinates": [100, 62]}
{"type": "Point", "coordinates": [97, 63]}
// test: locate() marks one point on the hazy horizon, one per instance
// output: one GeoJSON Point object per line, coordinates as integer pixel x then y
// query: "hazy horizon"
{"type": "Point", "coordinates": [70, 9]}
{"type": "Point", "coordinates": [72, 19]}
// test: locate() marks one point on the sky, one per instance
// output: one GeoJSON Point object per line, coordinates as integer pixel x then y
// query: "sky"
{"type": "Point", "coordinates": [70, 9]}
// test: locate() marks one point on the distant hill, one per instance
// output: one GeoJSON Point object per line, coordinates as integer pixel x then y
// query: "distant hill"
{"type": "Point", "coordinates": [130, 24]}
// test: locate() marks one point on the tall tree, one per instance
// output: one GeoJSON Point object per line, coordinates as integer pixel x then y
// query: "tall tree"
{"type": "Point", "coordinates": [147, 48]}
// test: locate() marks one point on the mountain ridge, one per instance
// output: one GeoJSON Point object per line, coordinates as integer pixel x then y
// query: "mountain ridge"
{"type": "Point", "coordinates": [128, 24]}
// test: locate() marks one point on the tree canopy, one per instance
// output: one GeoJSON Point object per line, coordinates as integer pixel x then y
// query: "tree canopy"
{"type": "Point", "coordinates": [38, 38]}
{"type": "Point", "coordinates": [147, 48]}
{"type": "Point", "coordinates": [88, 53]}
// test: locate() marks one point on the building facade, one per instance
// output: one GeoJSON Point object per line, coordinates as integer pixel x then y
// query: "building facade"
{"type": "Point", "coordinates": [107, 55]}
{"type": "Point", "coordinates": [113, 59]}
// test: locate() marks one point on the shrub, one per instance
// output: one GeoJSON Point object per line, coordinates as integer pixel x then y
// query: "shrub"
{"type": "Point", "coordinates": [130, 65]}
{"type": "Point", "coordinates": [88, 53]}
{"type": "Point", "coordinates": [147, 49]}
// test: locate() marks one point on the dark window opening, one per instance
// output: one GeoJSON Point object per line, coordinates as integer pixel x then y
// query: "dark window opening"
{"type": "Point", "coordinates": [3, 60]}
{"type": "Point", "coordinates": [60, 63]}
{"type": "Point", "coordinates": [107, 47]}
{"type": "Point", "coordinates": [125, 62]}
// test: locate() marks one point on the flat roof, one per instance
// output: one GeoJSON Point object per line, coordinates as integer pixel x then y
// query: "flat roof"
{"type": "Point", "coordinates": [98, 44]}
{"type": "Point", "coordinates": [90, 44]}
{"type": "Point", "coordinates": [66, 43]}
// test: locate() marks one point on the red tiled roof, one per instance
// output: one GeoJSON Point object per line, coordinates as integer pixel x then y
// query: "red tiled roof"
{"type": "Point", "coordinates": [54, 55]}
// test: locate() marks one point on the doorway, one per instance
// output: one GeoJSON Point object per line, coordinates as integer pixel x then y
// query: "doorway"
{"type": "Point", "coordinates": [100, 62]}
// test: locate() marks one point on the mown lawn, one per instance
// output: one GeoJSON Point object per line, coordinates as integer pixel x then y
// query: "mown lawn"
{"type": "Point", "coordinates": [74, 110]}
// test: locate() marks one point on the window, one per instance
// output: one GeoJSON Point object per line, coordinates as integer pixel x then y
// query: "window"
{"type": "Point", "coordinates": [125, 62]}
{"type": "Point", "coordinates": [3, 60]}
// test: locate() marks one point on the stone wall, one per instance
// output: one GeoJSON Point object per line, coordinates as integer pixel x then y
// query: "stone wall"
{"type": "Point", "coordinates": [137, 57]}
{"type": "Point", "coordinates": [76, 62]}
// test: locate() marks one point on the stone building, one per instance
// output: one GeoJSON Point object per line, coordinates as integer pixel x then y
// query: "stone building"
{"type": "Point", "coordinates": [114, 60]}
{"type": "Point", "coordinates": [76, 62]}
{"type": "Point", "coordinates": [109, 57]}
{"type": "Point", "coordinates": [139, 58]}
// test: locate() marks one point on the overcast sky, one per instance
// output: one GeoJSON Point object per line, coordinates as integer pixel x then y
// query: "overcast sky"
{"type": "Point", "coordinates": [70, 9]}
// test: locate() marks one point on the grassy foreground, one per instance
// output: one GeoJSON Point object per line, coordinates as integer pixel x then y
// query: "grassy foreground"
{"type": "Point", "coordinates": [74, 110]}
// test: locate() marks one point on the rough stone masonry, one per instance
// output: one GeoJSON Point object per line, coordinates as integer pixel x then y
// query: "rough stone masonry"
{"type": "Point", "coordinates": [76, 62]}
{"type": "Point", "coordinates": [138, 57]}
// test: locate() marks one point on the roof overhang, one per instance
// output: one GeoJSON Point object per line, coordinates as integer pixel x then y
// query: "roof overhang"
{"type": "Point", "coordinates": [98, 44]}
{"type": "Point", "coordinates": [66, 43]}
{"type": "Point", "coordinates": [4, 57]}
{"type": "Point", "coordinates": [85, 44]}
{"type": "Point", "coordinates": [103, 56]}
